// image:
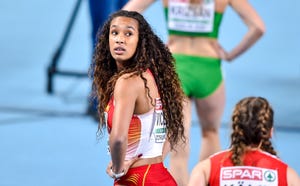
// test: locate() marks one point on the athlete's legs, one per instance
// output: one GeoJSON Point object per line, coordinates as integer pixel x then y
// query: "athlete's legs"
{"type": "Point", "coordinates": [179, 159]}
{"type": "Point", "coordinates": [210, 111]}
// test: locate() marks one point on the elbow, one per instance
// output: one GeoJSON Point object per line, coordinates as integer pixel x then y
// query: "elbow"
{"type": "Point", "coordinates": [117, 141]}
{"type": "Point", "coordinates": [117, 146]}
{"type": "Point", "coordinates": [260, 29]}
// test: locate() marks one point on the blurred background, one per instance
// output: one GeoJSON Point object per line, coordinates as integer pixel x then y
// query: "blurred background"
{"type": "Point", "coordinates": [47, 139]}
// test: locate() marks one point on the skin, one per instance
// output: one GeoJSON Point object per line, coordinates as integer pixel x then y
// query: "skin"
{"type": "Point", "coordinates": [209, 109]}
{"type": "Point", "coordinates": [123, 40]}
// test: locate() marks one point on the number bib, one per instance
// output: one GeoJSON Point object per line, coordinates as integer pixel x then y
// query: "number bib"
{"type": "Point", "coordinates": [159, 126]}
{"type": "Point", "coordinates": [186, 17]}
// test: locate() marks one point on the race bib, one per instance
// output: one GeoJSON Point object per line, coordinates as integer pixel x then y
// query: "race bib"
{"type": "Point", "coordinates": [159, 126]}
{"type": "Point", "coordinates": [187, 17]}
{"type": "Point", "coordinates": [247, 175]}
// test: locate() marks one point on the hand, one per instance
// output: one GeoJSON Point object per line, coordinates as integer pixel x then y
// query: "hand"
{"type": "Point", "coordinates": [223, 54]}
{"type": "Point", "coordinates": [127, 164]}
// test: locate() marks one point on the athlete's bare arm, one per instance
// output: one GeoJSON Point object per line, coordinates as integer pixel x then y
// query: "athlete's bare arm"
{"type": "Point", "coordinates": [138, 5]}
{"type": "Point", "coordinates": [292, 177]}
{"type": "Point", "coordinates": [200, 174]}
{"type": "Point", "coordinates": [255, 25]}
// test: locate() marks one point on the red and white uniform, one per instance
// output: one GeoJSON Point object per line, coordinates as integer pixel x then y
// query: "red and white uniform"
{"type": "Point", "coordinates": [147, 132]}
{"type": "Point", "coordinates": [260, 168]}
{"type": "Point", "coordinates": [146, 135]}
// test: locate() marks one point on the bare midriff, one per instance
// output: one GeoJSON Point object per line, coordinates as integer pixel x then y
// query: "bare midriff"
{"type": "Point", "coordinates": [145, 161]}
{"type": "Point", "coordinates": [196, 46]}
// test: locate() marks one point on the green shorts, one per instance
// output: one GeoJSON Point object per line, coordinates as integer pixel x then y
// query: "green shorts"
{"type": "Point", "coordinates": [199, 76]}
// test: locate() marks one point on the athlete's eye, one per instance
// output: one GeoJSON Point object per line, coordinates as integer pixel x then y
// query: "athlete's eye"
{"type": "Point", "coordinates": [114, 32]}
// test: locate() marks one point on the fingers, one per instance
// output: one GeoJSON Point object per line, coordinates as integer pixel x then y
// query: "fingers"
{"type": "Point", "coordinates": [108, 172]}
{"type": "Point", "coordinates": [127, 165]}
{"type": "Point", "coordinates": [108, 169]}
{"type": "Point", "coordinates": [133, 160]}
{"type": "Point", "coordinates": [221, 52]}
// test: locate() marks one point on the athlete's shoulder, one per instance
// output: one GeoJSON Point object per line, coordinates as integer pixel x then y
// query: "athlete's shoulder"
{"type": "Point", "coordinates": [220, 153]}
{"type": "Point", "coordinates": [129, 83]}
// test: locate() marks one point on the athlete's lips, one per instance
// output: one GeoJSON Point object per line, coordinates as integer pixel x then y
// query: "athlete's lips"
{"type": "Point", "coordinates": [119, 50]}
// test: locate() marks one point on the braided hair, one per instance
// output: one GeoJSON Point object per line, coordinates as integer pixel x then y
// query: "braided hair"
{"type": "Point", "coordinates": [252, 122]}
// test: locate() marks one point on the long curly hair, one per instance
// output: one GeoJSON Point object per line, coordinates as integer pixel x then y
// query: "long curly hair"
{"type": "Point", "coordinates": [252, 121]}
{"type": "Point", "coordinates": [151, 53]}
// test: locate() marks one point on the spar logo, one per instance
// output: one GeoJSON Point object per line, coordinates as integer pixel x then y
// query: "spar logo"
{"type": "Point", "coordinates": [241, 173]}
{"type": "Point", "coordinates": [248, 173]}
{"type": "Point", "coordinates": [270, 176]}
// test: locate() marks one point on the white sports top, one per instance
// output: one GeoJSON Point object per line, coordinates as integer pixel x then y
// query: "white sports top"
{"type": "Point", "coordinates": [146, 134]}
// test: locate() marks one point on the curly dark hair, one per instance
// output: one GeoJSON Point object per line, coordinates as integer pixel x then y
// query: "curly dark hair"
{"type": "Point", "coordinates": [152, 54]}
{"type": "Point", "coordinates": [252, 121]}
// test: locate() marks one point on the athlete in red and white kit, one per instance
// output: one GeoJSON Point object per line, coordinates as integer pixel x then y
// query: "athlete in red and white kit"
{"type": "Point", "coordinates": [140, 100]}
{"type": "Point", "coordinates": [251, 159]}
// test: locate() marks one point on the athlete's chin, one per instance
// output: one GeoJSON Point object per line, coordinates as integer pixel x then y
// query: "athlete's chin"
{"type": "Point", "coordinates": [121, 59]}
